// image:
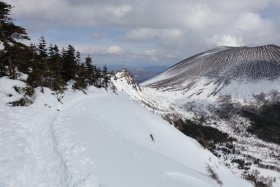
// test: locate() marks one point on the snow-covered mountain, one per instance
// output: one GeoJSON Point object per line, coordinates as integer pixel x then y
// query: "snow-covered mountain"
{"type": "Point", "coordinates": [234, 90]}
{"type": "Point", "coordinates": [98, 139]}
{"type": "Point", "coordinates": [237, 71]}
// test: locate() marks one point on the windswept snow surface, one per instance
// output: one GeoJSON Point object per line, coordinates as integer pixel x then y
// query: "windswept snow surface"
{"type": "Point", "coordinates": [99, 139]}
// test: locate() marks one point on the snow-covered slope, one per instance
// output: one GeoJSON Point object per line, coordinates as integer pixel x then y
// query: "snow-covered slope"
{"type": "Point", "coordinates": [216, 86]}
{"type": "Point", "coordinates": [98, 139]}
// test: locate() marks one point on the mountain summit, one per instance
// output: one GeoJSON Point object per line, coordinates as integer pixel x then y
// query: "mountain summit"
{"type": "Point", "coordinates": [222, 70]}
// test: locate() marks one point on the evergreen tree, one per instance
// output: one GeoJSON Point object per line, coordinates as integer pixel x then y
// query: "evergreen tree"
{"type": "Point", "coordinates": [78, 57]}
{"type": "Point", "coordinates": [90, 71]}
{"type": "Point", "coordinates": [80, 81]}
{"type": "Point", "coordinates": [99, 78]}
{"type": "Point", "coordinates": [105, 77]}
{"type": "Point", "coordinates": [47, 73]}
{"type": "Point", "coordinates": [35, 78]}
{"type": "Point", "coordinates": [45, 67]}
{"type": "Point", "coordinates": [50, 51]}
{"type": "Point", "coordinates": [42, 47]}
{"type": "Point", "coordinates": [23, 58]}
{"type": "Point", "coordinates": [69, 69]}
{"type": "Point", "coordinates": [9, 36]}
{"type": "Point", "coordinates": [9, 32]}
{"type": "Point", "coordinates": [56, 68]}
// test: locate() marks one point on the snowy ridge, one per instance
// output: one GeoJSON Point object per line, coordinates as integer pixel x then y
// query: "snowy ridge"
{"type": "Point", "coordinates": [98, 139]}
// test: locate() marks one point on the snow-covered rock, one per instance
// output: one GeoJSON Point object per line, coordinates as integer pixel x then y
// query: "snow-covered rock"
{"type": "Point", "coordinates": [7, 90]}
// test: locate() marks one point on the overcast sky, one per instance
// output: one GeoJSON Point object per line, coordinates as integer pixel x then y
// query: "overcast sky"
{"type": "Point", "coordinates": [149, 32]}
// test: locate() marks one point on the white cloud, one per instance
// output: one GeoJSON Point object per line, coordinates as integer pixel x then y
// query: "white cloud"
{"type": "Point", "coordinates": [241, 5]}
{"type": "Point", "coordinates": [97, 50]}
{"type": "Point", "coordinates": [252, 22]}
{"type": "Point", "coordinates": [99, 35]}
{"type": "Point", "coordinates": [152, 54]}
{"type": "Point", "coordinates": [119, 11]}
{"type": "Point", "coordinates": [277, 2]}
{"type": "Point", "coordinates": [199, 16]}
{"type": "Point", "coordinates": [178, 28]}
{"type": "Point", "coordinates": [141, 34]}
{"type": "Point", "coordinates": [148, 33]}
{"type": "Point", "coordinates": [226, 40]}
{"type": "Point", "coordinates": [114, 50]}
{"type": "Point", "coordinates": [256, 30]}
